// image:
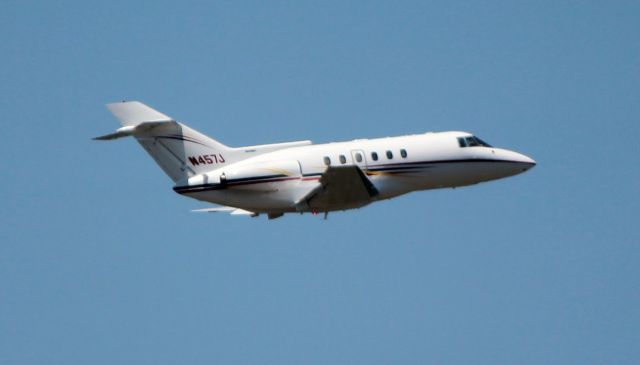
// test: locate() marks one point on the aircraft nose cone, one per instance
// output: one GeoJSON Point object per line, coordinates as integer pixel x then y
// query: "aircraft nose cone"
{"type": "Point", "coordinates": [517, 163]}
{"type": "Point", "coordinates": [524, 162]}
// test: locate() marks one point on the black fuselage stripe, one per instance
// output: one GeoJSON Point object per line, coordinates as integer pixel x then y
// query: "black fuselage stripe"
{"type": "Point", "coordinates": [441, 162]}
{"type": "Point", "coordinates": [234, 182]}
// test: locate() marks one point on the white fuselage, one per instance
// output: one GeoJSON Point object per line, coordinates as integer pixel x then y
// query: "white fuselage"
{"type": "Point", "coordinates": [274, 182]}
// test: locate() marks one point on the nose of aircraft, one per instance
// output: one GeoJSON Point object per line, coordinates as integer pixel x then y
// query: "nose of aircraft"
{"type": "Point", "coordinates": [525, 162]}
{"type": "Point", "coordinates": [518, 163]}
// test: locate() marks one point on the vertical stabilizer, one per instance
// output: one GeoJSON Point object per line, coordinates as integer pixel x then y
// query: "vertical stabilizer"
{"type": "Point", "coordinates": [179, 150]}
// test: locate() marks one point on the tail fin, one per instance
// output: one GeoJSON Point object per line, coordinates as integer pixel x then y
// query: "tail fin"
{"type": "Point", "coordinates": [179, 150]}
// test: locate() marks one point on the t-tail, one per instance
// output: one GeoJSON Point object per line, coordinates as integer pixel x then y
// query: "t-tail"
{"type": "Point", "coordinates": [179, 150]}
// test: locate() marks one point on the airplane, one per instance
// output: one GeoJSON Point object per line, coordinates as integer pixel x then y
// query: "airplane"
{"type": "Point", "coordinates": [302, 177]}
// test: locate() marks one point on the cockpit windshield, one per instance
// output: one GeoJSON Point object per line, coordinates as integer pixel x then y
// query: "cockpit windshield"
{"type": "Point", "coordinates": [472, 141]}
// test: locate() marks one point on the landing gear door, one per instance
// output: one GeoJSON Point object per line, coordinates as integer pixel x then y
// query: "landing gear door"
{"type": "Point", "coordinates": [359, 158]}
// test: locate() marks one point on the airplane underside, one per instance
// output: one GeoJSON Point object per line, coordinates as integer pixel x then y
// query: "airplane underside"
{"type": "Point", "coordinates": [290, 194]}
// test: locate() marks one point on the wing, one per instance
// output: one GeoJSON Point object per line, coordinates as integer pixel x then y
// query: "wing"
{"type": "Point", "coordinates": [341, 187]}
{"type": "Point", "coordinates": [237, 211]}
{"type": "Point", "coordinates": [230, 210]}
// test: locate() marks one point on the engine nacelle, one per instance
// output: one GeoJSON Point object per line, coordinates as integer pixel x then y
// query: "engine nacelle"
{"type": "Point", "coordinates": [256, 176]}
{"type": "Point", "coordinates": [260, 172]}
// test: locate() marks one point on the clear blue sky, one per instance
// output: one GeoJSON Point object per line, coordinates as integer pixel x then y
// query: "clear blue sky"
{"type": "Point", "coordinates": [102, 263]}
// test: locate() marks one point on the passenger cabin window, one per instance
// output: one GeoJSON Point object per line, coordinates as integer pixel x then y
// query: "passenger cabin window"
{"type": "Point", "coordinates": [389, 155]}
{"type": "Point", "coordinates": [472, 142]}
{"type": "Point", "coordinates": [403, 153]}
{"type": "Point", "coordinates": [358, 157]}
{"type": "Point", "coordinates": [374, 156]}
{"type": "Point", "coordinates": [343, 159]}
{"type": "Point", "coordinates": [327, 160]}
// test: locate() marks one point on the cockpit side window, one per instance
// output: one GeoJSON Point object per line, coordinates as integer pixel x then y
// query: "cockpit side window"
{"type": "Point", "coordinates": [472, 142]}
{"type": "Point", "coordinates": [482, 143]}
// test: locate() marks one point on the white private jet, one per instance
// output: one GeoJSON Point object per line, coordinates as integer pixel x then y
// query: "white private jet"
{"type": "Point", "coordinates": [301, 177]}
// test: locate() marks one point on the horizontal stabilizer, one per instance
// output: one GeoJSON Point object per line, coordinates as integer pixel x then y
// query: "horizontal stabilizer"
{"type": "Point", "coordinates": [119, 133]}
{"type": "Point", "coordinates": [131, 113]}
{"type": "Point", "coordinates": [137, 130]}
